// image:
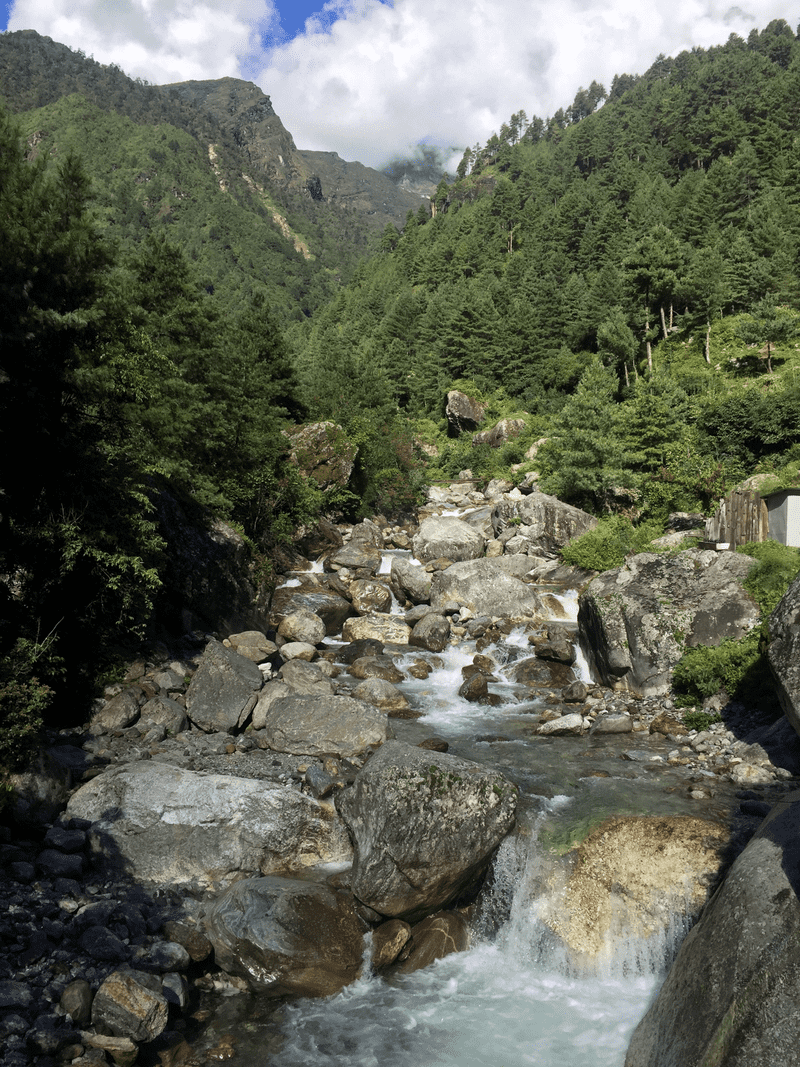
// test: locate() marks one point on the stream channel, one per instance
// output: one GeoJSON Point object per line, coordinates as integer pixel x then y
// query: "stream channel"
{"type": "Point", "coordinates": [515, 997]}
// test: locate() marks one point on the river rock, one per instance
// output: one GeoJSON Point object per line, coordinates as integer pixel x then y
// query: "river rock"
{"type": "Point", "coordinates": [432, 633]}
{"type": "Point", "coordinates": [161, 711]}
{"type": "Point", "coordinates": [330, 726]}
{"type": "Point", "coordinates": [546, 523]}
{"type": "Point", "coordinates": [253, 645]}
{"type": "Point", "coordinates": [618, 722]}
{"type": "Point", "coordinates": [376, 667]}
{"type": "Point", "coordinates": [368, 532]}
{"type": "Point", "coordinates": [447, 538]}
{"type": "Point", "coordinates": [729, 998]}
{"type": "Point", "coordinates": [381, 694]}
{"type": "Point", "coordinates": [223, 690]}
{"type": "Point", "coordinates": [432, 939]}
{"type": "Point", "coordinates": [635, 621]}
{"type": "Point", "coordinates": [116, 714]}
{"type": "Point", "coordinates": [169, 825]}
{"type": "Point", "coordinates": [358, 556]}
{"type": "Point", "coordinates": [302, 626]}
{"type": "Point", "coordinates": [388, 941]}
{"type": "Point", "coordinates": [410, 581]}
{"type": "Point", "coordinates": [287, 937]}
{"type": "Point", "coordinates": [384, 628]}
{"type": "Point", "coordinates": [483, 586]}
{"type": "Point", "coordinates": [628, 878]}
{"type": "Point", "coordinates": [563, 726]}
{"type": "Point", "coordinates": [370, 596]}
{"type": "Point", "coordinates": [332, 608]}
{"type": "Point", "coordinates": [424, 826]}
{"type": "Point", "coordinates": [130, 1004]}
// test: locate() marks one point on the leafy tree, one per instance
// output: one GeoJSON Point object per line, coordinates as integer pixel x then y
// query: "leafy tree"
{"type": "Point", "coordinates": [768, 325]}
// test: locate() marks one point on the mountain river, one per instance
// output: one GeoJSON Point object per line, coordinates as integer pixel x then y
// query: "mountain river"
{"type": "Point", "coordinates": [515, 997]}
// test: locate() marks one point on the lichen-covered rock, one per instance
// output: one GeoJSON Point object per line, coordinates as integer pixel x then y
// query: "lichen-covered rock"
{"type": "Point", "coordinates": [223, 690]}
{"type": "Point", "coordinates": [383, 628]}
{"type": "Point", "coordinates": [425, 826]}
{"type": "Point", "coordinates": [730, 998]}
{"type": "Point", "coordinates": [287, 937]}
{"type": "Point", "coordinates": [369, 596]}
{"type": "Point", "coordinates": [546, 522]}
{"type": "Point", "coordinates": [447, 538]}
{"type": "Point", "coordinates": [502, 431]}
{"type": "Point", "coordinates": [635, 621]}
{"type": "Point", "coordinates": [165, 825]}
{"type": "Point", "coordinates": [463, 413]}
{"type": "Point", "coordinates": [322, 452]}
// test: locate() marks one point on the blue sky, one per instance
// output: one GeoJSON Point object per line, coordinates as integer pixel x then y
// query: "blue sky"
{"type": "Point", "coordinates": [370, 79]}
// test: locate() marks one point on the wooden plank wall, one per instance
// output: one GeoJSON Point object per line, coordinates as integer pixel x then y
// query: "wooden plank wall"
{"type": "Point", "coordinates": [740, 517]}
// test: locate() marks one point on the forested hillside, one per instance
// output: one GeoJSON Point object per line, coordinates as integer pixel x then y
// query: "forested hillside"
{"type": "Point", "coordinates": [648, 249]}
{"type": "Point", "coordinates": [622, 277]}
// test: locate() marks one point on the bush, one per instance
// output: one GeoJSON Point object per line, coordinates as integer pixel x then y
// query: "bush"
{"type": "Point", "coordinates": [738, 667]}
{"type": "Point", "coordinates": [608, 544]}
{"type": "Point", "coordinates": [700, 720]}
{"type": "Point", "coordinates": [23, 699]}
{"type": "Point", "coordinates": [772, 575]}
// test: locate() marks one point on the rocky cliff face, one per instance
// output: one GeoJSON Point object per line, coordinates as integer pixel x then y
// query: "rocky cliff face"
{"type": "Point", "coordinates": [243, 110]}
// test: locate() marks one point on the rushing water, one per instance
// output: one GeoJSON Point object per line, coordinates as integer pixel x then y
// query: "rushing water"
{"type": "Point", "coordinates": [515, 997]}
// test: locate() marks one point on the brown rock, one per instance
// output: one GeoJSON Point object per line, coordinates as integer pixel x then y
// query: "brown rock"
{"type": "Point", "coordinates": [435, 937]}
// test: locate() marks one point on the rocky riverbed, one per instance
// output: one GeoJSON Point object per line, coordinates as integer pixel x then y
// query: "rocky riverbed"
{"type": "Point", "coordinates": [358, 762]}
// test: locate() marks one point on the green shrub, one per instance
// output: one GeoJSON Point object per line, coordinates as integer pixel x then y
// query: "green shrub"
{"type": "Point", "coordinates": [738, 667]}
{"type": "Point", "coordinates": [772, 575]}
{"type": "Point", "coordinates": [608, 544]}
{"type": "Point", "coordinates": [23, 699]}
{"type": "Point", "coordinates": [700, 720]}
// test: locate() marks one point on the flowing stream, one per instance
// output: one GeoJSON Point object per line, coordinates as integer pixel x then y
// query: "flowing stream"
{"type": "Point", "coordinates": [514, 998]}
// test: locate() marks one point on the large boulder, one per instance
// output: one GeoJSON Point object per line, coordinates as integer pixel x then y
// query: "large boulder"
{"type": "Point", "coordinates": [425, 826]}
{"type": "Point", "coordinates": [223, 691]}
{"type": "Point", "coordinates": [636, 621]}
{"type": "Point", "coordinates": [730, 998]}
{"type": "Point", "coordinates": [485, 587]}
{"type": "Point", "coordinates": [383, 628]}
{"type": "Point", "coordinates": [502, 431]}
{"type": "Point", "coordinates": [463, 413]}
{"type": "Point", "coordinates": [545, 522]}
{"type": "Point", "coordinates": [360, 557]}
{"type": "Point", "coordinates": [328, 726]}
{"type": "Point", "coordinates": [165, 825]}
{"type": "Point", "coordinates": [447, 538]}
{"type": "Point", "coordinates": [784, 652]}
{"type": "Point", "coordinates": [287, 937]}
{"type": "Point", "coordinates": [322, 452]}
{"type": "Point", "coordinates": [409, 581]}
{"type": "Point", "coordinates": [628, 879]}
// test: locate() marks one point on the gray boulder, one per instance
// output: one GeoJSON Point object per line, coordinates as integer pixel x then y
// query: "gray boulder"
{"type": "Point", "coordinates": [287, 937]}
{"type": "Point", "coordinates": [636, 621]}
{"type": "Point", "coordinates": [431, 632]}
{"type": "Point", "coordinates": [502, 431]}
{"type": "Point", "coordinates": [223, 690]}
{"type": "Point", "coordinates": [302, 625]}
{"type": "Point", "coordinates": [484, 586]}
{"type": "Point", "coordinates": [161, 711]}
{"type": "Point", "coordinates": [116, 714]}
{"type": "Point", "coordinates": [463, 413]}
{"type": "Point", "coordinates": [358, 556]}
{"type": "Point", "coordinates": [252, 644]}
{"type": "Point", "coordinates": [447, 538]}
{"type": "Point", "coordinates": [784, 652]}
{"type": "Point", "coordinates": [546, 523]}
{"type": "Point", "coordinates": [327, 726]}
{"type": "Point", "coordinates": [168, 825]}
{"type": "Point", "coordinates": [730, 998]}
{"type": "Point", "coordinates": [424, 826]}
{"type": "Point", "coordinates": [410, 582]}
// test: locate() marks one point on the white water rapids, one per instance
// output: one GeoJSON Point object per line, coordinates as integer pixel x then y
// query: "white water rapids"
{"type": "Point", "coordinates": [514, 998]}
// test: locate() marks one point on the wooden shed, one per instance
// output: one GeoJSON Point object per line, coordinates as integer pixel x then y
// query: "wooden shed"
{"type": "Point", "coordinates": [783, 507]}
{"type": "Point", "coordinates": [740, 517]}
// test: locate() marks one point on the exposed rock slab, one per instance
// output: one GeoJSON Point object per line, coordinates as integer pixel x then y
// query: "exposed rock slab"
{"type": "Point", "coordinates": [636, 620]}
{"type": "Point", "coordinates": [424, 825]}
{"type": "Point", "coordinates": [164, 824]}
{"type": "Point", "coordinates": [285, 936]}
{"type": "Point", "coordinates": [730, 998]}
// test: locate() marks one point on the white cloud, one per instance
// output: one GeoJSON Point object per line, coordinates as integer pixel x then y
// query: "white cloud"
{"type": "Point", "coordinates": [159, 40]}
{"type": "Point", "coordinates": [383, 77]}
